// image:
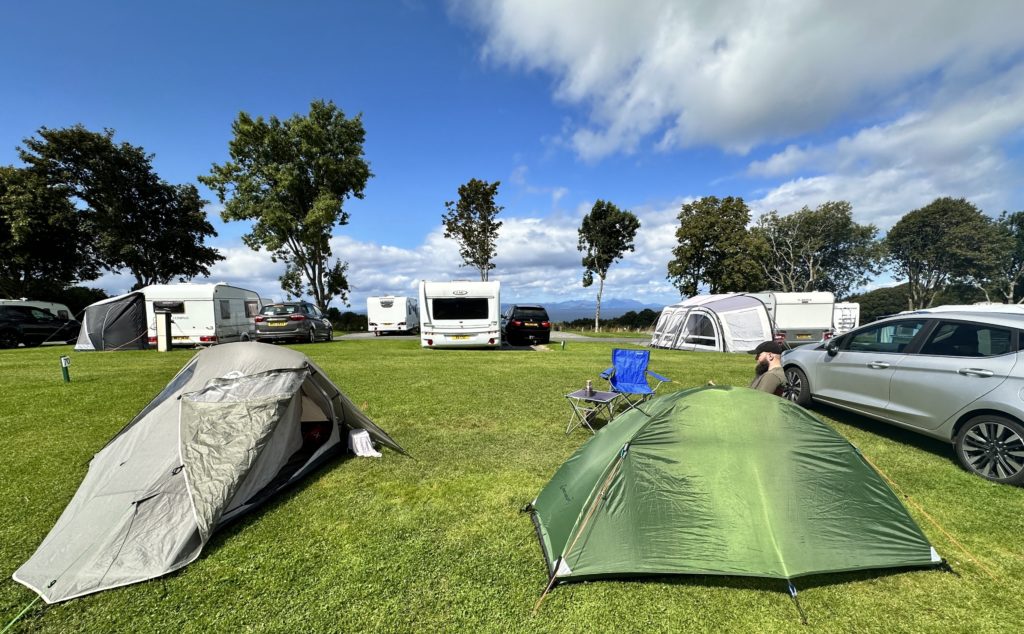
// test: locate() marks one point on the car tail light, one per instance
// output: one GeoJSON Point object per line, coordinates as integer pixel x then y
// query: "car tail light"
{"type": "Point", "coordinates": [297, 317]}
{"type": "Point", "coordinates": [545, 324]}
{"type": "Point", "coordinates": [152, 340]}
{"type": "Point", "coordinates": [260, 319]}
{"type": "Point", "coordinates": [208, 339]}
{"type": "Point", "coordinates": [516, 322]}
{"type": "Point", "coordinates": [780, 336]}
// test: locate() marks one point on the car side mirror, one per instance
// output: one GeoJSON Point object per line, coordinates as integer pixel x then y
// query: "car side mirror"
{"type": "Point", "coordinates": [832, 348]}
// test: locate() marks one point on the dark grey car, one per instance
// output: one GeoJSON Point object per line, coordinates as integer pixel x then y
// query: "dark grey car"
{"type": "Point", "coordinates": [956, 376]}
{"type": "Point", "coordinates": [293, 321]}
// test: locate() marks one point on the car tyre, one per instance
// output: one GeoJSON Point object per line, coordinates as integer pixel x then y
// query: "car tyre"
{"type": "Point", "coordinates": [8, 339]}
{"type": "Point", "coordinates": [799, 387]}
{"type": "Point", "coordinates": [992, 447]}
{"type": "Point", "coordinates": [312, 336]}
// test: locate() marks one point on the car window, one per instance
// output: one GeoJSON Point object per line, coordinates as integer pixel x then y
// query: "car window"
{"type": "Point", "coordinates": [278, 309]}
{"type": "Point", "coordinates": [956, 339]}
{"type": "Point", "coordinates": [42, 315]}
{"type": "Point", "coordinates": [888, 337]}
{"type": "Point", "coordinates": [531, 314]}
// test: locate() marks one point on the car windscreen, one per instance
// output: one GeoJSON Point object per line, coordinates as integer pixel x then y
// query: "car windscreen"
{"type": "Point", "coordinates": [530, 314]}
{"type": "Point", "coordinates": [280, 309]}
{"type": "Point", "coordinates": [459, 308]}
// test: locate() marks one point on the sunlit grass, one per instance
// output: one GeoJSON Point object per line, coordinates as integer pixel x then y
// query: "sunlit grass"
{"type": "Point", "coordinates": [436, 542]}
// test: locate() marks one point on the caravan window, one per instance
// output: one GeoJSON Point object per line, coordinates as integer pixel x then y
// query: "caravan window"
{"type": "Point", "coordinates": [460, 308]}
{"type": "Point", "coordinates": [176, 308]}
{"type": "Point", "coordinates": [225, 308]}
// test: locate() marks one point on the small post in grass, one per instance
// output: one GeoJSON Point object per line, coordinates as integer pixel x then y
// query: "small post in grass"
{"type": "Point", "coordinates": [65, 363]}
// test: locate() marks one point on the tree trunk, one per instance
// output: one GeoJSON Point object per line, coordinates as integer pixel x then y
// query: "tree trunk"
{"type": "Point", "coordinates": [597, 313]}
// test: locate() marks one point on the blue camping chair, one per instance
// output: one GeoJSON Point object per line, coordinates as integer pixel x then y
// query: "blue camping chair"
{"type": "Point", "coordinates": [628, 376]}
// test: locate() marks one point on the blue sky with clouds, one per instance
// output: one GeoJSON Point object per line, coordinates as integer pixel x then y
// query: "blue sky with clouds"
{"type": "Point", "coordinates": [646, 104]}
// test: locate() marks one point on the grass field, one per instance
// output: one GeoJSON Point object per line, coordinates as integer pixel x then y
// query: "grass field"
{"type": "Point", "coordinates": [436, 542]}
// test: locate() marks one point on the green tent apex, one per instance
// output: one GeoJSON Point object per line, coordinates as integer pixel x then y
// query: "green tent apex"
{"type": "Point", "coordinates": [721, 481]}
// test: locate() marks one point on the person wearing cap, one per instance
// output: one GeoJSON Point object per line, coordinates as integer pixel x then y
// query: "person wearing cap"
{"type": "Point", "coordinates": [769, 375]}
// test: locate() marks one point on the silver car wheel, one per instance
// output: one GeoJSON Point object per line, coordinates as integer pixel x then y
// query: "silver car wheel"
{"type": "Point", "coordinates": [993, 447]}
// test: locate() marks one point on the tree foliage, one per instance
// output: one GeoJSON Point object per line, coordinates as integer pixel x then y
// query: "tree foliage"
{"type": "Point", "coordinates": [820, 249]}
{"type": "Point", "coordinates": [470, 221]}
{"type": "Point", "coordinates": [43, 244]}
{"type": "Point", "coordinates": [291, 178]}
{"type": "Point", "coordinates": [948, 240]}
{"type": "Point", "coordinates": [137, 221]}
{"type": "Point", "coordinates": [1004, 281]}
{"type": "Point", "coordinates": [605, 235]}
{"type": "Point", "coordinates": [714, 248]}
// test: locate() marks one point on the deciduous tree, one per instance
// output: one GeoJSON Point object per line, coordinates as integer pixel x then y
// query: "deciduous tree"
{"type": "Point", "coordinates": [714, 248]}
{"type": "Point", "coordinates": [820, 249]}
{"type": "Point", "coordinates": [44, 246]}
{"type": "Point", "coordinates": [946, 241]}
{"type": "Point", "coordinates": [137, 221]}
{"type": "Point", "coordinates": [470, 221]}
{"type": "Point", "coordinates": [605, 235]}
{"type": "Point", "coordinates": [291, 179]}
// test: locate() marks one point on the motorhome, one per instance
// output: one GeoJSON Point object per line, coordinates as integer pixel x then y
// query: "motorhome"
{"type": "Point", "coordinates": [203, 314]}
{"type": "Point", "coordinates": [60, 311]}
{"type": "Point", "coordinates": [460, 314]}
{"type": "Point", "coordinates": [799, 318]}
{"type": "Point", "coordinates": [392, 315]}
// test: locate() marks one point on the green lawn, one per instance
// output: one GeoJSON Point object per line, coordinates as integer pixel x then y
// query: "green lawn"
{"type": "Point", "coordinates": [436, 542]}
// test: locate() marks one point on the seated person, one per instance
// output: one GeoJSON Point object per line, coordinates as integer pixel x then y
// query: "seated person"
{"type": "Point", "coordinates": [768, 374]}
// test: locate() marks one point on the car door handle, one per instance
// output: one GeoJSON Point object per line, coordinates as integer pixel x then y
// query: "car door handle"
{"type": "Point", "coordinates": [975, 372]}
{"type": "Point", "coordinates": [878, 365]}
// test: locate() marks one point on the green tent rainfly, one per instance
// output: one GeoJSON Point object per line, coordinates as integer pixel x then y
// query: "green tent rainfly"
{"type": "Point", "coordinates": [721, 481]}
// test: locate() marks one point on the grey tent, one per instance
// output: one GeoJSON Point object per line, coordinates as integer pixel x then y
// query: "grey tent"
{"type": "Point", "coordinates": [115, 323]}
{"type": "Point", "coordinates": [238, 422]}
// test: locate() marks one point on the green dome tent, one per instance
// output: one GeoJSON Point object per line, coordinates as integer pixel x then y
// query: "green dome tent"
{"type": "Point", "coordinates": [721, 481]}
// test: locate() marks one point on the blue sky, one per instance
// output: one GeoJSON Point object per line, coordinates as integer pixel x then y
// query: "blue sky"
{"type": "Point", "coordinates": [647, 105]}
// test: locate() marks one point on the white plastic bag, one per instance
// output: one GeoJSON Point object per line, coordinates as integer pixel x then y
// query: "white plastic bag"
{"type": "Point", "coordinates": [360, 444]}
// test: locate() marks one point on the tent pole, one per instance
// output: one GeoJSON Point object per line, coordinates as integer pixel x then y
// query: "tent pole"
{"type": "Point", "coordinates": [551, 584]}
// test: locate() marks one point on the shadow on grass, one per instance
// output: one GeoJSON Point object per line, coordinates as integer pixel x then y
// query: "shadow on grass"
{"type": "Point", "coordinates": [942, 449]}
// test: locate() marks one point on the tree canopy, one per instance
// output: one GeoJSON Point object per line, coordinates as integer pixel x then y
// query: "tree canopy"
{"type": "Point", "coordinates": [291, 178]}
{"type": "Point", "coordinates": [714, 248]}
{"type": "Point", "coordinates": [470, 221]}
{"type": "Point", "coordinates": [819, 249]}
{"type": "Point", "coordinates": [136, 220]}
{"type": "Point", "coordinates": [946, 241]}
{"type": "Point", "coordinates": [605, 235]}
{"type": "Point", "coordinates": [44, 246]}
{"type": "Point", "coordinates": [1003, 281]}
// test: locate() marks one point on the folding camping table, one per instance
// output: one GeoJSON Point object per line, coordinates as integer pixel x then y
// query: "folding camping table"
{"type": "Point", "coordinates": [587, 406]}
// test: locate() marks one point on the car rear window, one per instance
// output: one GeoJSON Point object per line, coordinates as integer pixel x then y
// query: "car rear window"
{"type": "Point", "coordinates": [531, 314]}
{"type": "Point", "coordinates": [280, 309]}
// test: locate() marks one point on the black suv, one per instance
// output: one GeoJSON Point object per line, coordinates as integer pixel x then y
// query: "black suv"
{"type": "Point", "coordinates": [32, 326]}
{"type": "Point", "coordinates": [522, 324]}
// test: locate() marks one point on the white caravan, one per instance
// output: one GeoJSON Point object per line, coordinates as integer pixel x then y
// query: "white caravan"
{"type": "Point", "coordinates": [203, 314]}
{"type": "Point", "coordinates": [388, 314]}
{"type": "Point", "coordinates": [59, 310]}
{"type": "Point", "coordinates": [799, 318]}
{"type": "Point", "coordinates": [460, 314]}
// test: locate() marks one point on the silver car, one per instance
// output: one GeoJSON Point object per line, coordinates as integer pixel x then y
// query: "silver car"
{"type": "Point", "coordinates": [957, 376]}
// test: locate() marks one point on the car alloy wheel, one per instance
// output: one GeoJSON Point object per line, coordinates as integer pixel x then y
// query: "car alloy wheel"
{"type": "Point", "coordinates": [992, 447]}
{"type": "Point", "coordinates": [799, 390]}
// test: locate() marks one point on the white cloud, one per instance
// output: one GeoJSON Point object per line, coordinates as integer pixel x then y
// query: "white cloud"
{"type": "Point", "coordinates": [737, 74]}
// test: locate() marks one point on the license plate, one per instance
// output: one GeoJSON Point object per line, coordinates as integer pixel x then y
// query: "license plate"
{"type": "Point", "coordinates": [277, 324]}
{"type": "Point", "coordinates": [531, 324]}
{"type": "Point", "coordinates": [459, 337]}
{"type": "Point", "coordinates": [389, 323]}
{"type": "Point", "coordinates": [803, 336]}
{"type": "Point", "coordinates": [181, 338]}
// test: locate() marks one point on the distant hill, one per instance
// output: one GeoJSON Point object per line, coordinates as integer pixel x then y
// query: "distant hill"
{"type": "Point", "coordinates": [583, 308]}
